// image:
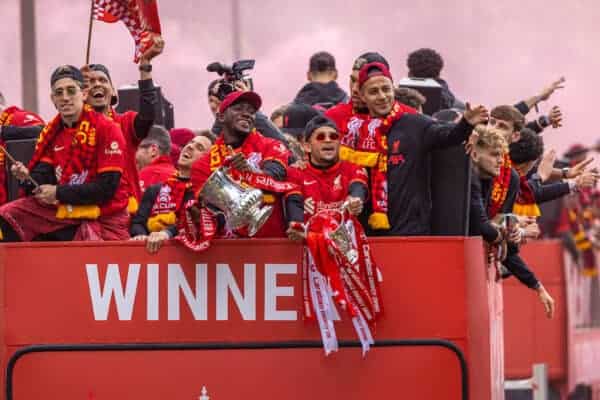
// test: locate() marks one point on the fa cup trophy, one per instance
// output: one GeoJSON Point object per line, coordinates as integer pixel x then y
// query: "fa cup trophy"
{"type": "Point", "coordinates": [240, 205]}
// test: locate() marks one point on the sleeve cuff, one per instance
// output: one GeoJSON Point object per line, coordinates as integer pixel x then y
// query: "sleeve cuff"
{"type": "Point", "coordinates": [146, 84]}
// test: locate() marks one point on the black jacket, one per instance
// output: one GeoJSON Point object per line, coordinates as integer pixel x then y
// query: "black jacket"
{"type": "Point", "coordinates": [480, 225]}
{"type": "Point", "coordinates": [448, 100]}
{"type": "Point", "coordinates": [410, 141]}
{"type": "Point", "coordinates": [323, 94]}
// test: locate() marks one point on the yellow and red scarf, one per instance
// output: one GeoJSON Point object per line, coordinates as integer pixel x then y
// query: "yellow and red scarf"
{"type": "Point", "coordinates": [81, 156]}
{"type": "Point", "coordinates": [500, 186]}
{"type": "Point", "coordinates": [372, 152]}
{"type": "Point", "coordinates": [168, 205]}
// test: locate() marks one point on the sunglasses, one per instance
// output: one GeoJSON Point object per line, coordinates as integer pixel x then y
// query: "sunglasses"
{"type": "Point", "coordinates": [321, 137]}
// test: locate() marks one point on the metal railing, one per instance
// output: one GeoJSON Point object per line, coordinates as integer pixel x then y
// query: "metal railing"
{"type": "Point", "coordinates": [464, 381]}
{"type": "Point", "coordinates": [538, 383]}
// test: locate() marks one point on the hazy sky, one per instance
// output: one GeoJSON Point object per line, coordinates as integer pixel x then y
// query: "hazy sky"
{"type": "Point", "coordinates": [495, 51]}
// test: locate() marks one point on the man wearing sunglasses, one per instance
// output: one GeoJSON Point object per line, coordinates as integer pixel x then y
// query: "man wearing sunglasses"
{"type": "Point", "coordinates": [326, 182]}
{"type": "Point", "coordinates": [74, 181]}
{"type": "Point", "coordinates": [135, 126]}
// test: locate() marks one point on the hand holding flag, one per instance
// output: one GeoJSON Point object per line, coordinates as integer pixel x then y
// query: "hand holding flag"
{"type": "Point", "coordinates": [141, 19]}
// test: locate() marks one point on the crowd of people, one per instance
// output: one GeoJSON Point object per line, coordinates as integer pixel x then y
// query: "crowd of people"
{"type": "Point", "coordinates": [99, 175]}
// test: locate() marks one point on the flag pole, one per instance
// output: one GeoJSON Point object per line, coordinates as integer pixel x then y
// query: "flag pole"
{"type": "Point", "coordinates": [89, 38]}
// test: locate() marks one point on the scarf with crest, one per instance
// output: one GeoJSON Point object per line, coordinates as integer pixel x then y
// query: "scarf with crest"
{"type": "Point", "coordinates": [371, 152]}
{"type": "Point", "coordinates": [81, 156]}
{"type": "Point", "coordinates": [168, 205]}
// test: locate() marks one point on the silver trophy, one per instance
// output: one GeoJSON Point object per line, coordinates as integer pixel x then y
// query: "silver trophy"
{"type": "Point", "coordinates": [240, 205]}
{"type": "Point", "coordinates": [341, 236]}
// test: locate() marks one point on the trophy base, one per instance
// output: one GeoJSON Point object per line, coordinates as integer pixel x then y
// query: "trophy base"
{"type": "Point", "coordinates": [258, 220]}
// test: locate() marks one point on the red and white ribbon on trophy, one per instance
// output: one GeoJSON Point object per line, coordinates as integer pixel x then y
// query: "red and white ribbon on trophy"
{"type": "Point", "coordinates": [339, 268]}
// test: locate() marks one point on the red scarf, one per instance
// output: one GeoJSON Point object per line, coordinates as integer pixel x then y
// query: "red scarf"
{"type": "Point", "coordinates": [220, 155]}
{"type": "Point", "coordinates": [372, 152]}
{"type": "Point", "coordinates": [525, 204]}
{"type": "Point", "coordinates": [168, 205]}
{"type": "Point", "coordinates": [355, 284]}
{"type": "Point", "coordinates": [577, 221]}
{"type": "Point", "coordinates": [81, 153]}
{"type": "Point", "coordinates": [500, 186]}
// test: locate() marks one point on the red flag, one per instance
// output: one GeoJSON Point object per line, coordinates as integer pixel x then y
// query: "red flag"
{"type": "Point", "coordinates": [139, 16]}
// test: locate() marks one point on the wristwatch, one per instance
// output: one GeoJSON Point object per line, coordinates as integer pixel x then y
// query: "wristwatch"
{"type": "Point", "coordinates": [565, 172]}
{"type": "Point", "coordinates": [145, 67]}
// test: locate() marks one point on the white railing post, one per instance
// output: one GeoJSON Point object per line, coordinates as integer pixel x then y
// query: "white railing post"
{"type": "Point", "coordinates": [538, 383]}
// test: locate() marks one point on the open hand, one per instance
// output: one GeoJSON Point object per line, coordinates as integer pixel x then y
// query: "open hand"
{"type": "Point", "coordinates": [547, 92]}
{"type": "Point", "coordinates": [579, 169]}
{"type": "Point", "coordinates": [477, 115]}
{"type": "Point", "coordinates": [547, 301]}
{"type": "Point", "coordinates": [156, 240]}
{"type": "Point", "coordinates": [547, 165]}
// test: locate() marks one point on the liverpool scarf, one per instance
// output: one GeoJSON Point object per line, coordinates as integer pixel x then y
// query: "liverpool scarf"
{"type": "Point", "coordinates": [168, 205]}
{"type": "Point", "coordinates": [81, 157]}
{"type": "Point", "coordinates": [372, 152]}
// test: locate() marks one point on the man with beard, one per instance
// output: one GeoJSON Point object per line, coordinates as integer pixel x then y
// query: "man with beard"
{"type": "Point", "coordinates": [322, 90]}
{"type": "Point", "coordinates": [78, 163]}
{"type": "Point", "coordinates": [325, 182]}
{"type": "Point", "coordinates": [134, 125]}
{"type": "Point", "coordinates": [350, 116]}
{"type": "Point", "coordinates": [487, 155]}
{"type": "Point", "coordinates": [395, 144]}
{"type": "Point", "coordinates": [253, 158]}
{"type": "Point", "coordinates": [162, 204]}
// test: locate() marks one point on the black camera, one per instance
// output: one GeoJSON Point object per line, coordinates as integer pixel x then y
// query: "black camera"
{"type": "Point", "coordinates": [231, 74]}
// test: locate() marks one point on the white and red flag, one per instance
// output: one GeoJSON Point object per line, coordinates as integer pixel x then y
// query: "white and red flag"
{"type": "Point", "coordinates": [139, 16]}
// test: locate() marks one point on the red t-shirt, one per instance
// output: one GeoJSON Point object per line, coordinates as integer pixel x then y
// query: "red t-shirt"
{"type": "Point", "coordinates": [326, 188]}
{"type": "Point", "coordinates": [130, 174]}
{"type": "Point", "coordinates": [257, 149]}
{"type": "Point", "coordinates": [348, 123]}
{"type": "Point", "coordinates": [110, 157]}
{"type": "Point", "coordinates": [158, 171]}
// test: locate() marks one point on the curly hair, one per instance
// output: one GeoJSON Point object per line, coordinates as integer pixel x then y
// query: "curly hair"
{"type": "Point", "coordinates": [490, 138]}
{"type": "Point", "coordinates": [424, 63]}
{"type": "Point", "coordinates": [529, 147]}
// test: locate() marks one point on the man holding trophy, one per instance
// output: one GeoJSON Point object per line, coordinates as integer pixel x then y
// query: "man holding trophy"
{"type": "Point", "coordinates": [242, 171]}
{"type": "Point", "coordinates": [338, 264]}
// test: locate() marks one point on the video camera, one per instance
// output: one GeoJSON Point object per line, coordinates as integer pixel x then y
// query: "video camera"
{"type": "Point", "coordinates": [231, 74]}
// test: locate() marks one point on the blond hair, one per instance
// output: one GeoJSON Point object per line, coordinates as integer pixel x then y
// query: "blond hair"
{"type": "Point", "coordinates": [489, 137]}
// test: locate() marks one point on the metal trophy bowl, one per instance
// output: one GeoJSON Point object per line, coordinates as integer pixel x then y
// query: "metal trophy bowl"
{"type": "Point", "coordinates": [240, 205]}
{"type": "Point", "coordinates": [341, 236]}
